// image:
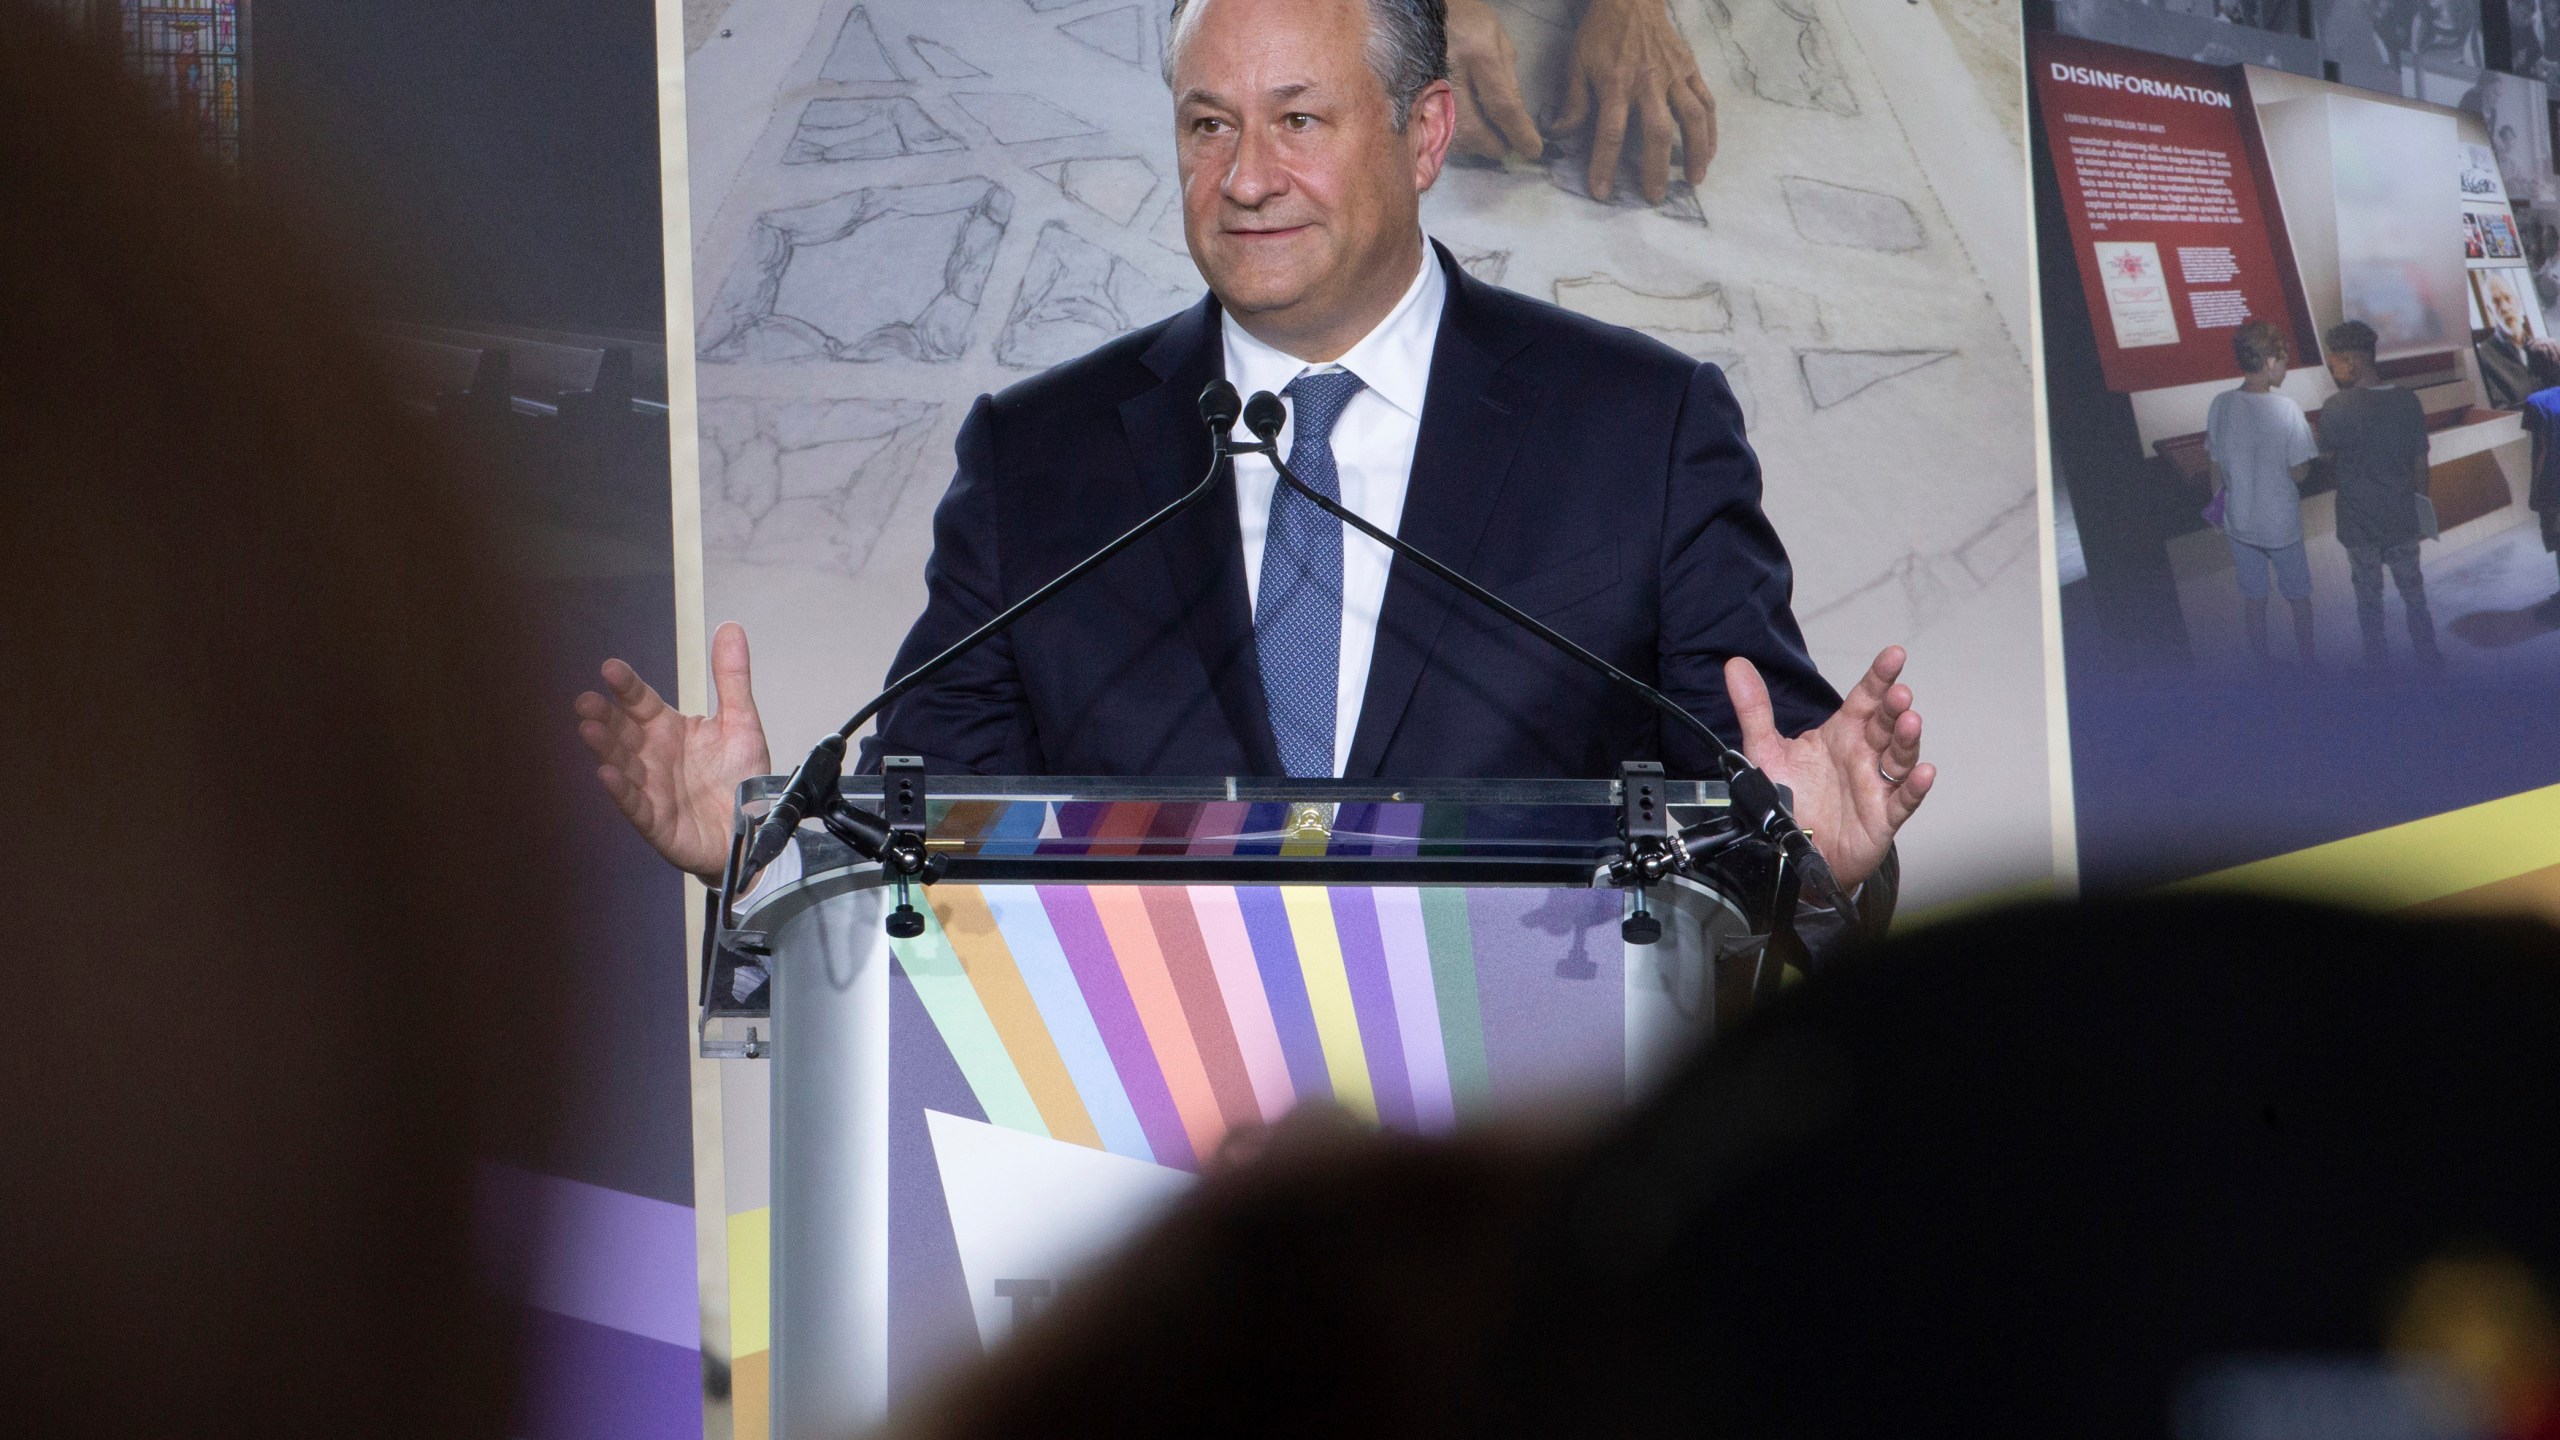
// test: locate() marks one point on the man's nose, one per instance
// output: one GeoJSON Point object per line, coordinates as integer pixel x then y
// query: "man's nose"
{"type": "Point", "coordinates": [1254, 174]}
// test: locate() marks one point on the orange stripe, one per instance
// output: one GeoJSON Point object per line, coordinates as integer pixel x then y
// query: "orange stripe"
{"type": "Point", "coordinates": [971, 929]}
{"type": "Point", "coordinates": [966, 820]}
{"type": "Point", "coordinates": [1123, 910]}
{"type": "Point", "coordinates": [2535, 892]}
{"type": "Point", "coordinates": [1123, 828]}
{"type": "Point", "coordinates": [751, 1396]}
{"type": "Point", "coordinates": [1186, 957]}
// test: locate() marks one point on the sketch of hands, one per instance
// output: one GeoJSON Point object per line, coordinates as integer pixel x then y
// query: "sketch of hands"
{"type": "Point", "coordinates": [1629, 58]}
{"type": "Point", "coordinates": [1485, 71]}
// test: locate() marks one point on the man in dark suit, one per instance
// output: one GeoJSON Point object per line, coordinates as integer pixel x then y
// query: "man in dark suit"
{"type": "Point", "coordinates": [1590, 475]}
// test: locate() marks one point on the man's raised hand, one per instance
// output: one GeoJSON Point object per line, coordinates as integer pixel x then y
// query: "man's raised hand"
{"type": "Point", "coordinates": [1857, 776]}
{"type": "Point", "coordinates": [675, 776]}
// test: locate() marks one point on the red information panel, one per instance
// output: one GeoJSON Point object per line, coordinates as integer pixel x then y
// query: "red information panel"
{"type": "Point", "coordinates": [2171, 218]}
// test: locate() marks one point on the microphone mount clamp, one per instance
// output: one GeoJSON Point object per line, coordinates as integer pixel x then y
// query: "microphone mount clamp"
{"type": "Point", "coordinates": [1650, 851]}
{"type": "Point", "coordinates": [895, 839]}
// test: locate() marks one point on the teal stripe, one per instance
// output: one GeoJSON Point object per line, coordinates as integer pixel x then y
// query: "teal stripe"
{"type": "Point", "coordinates": [962, 1019]}
{"type": "Point", "coordinates": [1453, 981]}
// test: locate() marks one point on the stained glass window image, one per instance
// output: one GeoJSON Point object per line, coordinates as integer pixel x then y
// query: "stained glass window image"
{"type": "Point", "coordinates": [189, 52]}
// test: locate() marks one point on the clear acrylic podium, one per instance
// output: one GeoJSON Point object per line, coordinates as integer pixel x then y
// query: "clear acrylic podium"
{"type": "Point", "coordinates": [1115, 974]}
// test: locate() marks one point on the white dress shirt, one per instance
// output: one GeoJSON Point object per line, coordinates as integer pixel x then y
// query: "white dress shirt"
{"type": "Point", "coordinates": [1373, 446]}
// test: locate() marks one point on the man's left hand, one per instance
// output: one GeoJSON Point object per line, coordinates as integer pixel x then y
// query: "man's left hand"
{"type": "Point", "coordinates": [1855, 778]}
{"type": "Point", "coordinates": [1485, 70]}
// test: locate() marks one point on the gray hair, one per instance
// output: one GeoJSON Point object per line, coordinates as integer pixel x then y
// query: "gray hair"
{"type": "Point", "coordinates": [1408, 47]}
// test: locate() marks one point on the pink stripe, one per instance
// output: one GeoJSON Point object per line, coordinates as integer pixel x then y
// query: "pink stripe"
{"type": "Point", "coordinates": [1426, 1062]}
{"type": "Point", "coordinates": [1218, 818]}
{"type": "Point", "coordinates": [1248, 1009]}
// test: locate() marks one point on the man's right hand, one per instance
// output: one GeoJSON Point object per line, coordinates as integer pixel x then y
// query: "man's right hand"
{"type": "Point", "coordinates": [675, 775]}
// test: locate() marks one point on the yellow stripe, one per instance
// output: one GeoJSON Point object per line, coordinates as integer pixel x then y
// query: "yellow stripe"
{"type": "Point", "coordinates": [751, 1282]}
{"type": "Point", "coordinates": [2414, 863]}
{"type": "Point", "coordinates": [972, 931]}
{"type": "Point", "coordinates": [1346, 1063]}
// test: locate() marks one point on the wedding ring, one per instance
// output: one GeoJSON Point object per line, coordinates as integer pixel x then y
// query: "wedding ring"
{"type": "Point", "coordinates": [1890, 778]}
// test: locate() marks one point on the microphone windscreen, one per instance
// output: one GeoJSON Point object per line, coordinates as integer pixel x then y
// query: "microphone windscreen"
{"type": "Point", "coordinates": [1264, 415]}
{"type": "Point", "coordinates": [1219, 406]}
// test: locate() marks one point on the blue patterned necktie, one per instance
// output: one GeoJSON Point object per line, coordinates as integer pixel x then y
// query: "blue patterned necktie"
{"type": "Point", "coordinates": [1297, 618]}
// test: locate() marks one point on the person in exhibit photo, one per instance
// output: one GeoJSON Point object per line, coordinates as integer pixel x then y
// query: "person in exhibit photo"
{"type": "Point", "coordinates": [2514, 362]}
{"type": "Point", "coordinates": [2262, 448]}
{"type": "Point", "coordinates": [2442, 36]}
{"type": "Point", "coordinates": [2375, 437]}
{"type": "Point", "coordinates": [1593, 477]}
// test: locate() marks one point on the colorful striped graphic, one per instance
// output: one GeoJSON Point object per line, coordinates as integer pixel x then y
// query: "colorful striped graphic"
{"type": "Point", "coordinates": [1150, 1021]}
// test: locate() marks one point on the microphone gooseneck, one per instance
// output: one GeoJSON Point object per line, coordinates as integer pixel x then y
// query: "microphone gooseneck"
{"type": "Point", "coordinates": [813, 786]}
{"type": "Point", "coordinates": [1755, 799]}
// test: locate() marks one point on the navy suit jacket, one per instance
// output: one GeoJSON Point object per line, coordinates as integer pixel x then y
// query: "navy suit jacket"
{"type": "Point", "coordinates": [1595, 478]}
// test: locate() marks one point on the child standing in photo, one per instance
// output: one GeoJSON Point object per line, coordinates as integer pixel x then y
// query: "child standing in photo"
{"type": "Point", "coordinates": [2261, 448]}
{"type": "Point", "coordinates": [2375, 436]}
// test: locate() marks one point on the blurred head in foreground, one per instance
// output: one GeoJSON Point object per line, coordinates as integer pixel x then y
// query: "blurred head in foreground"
{"type": "Point", "coordinates": [2128, 1169]}
{"type": "Point", "coordinates": [268, 814]}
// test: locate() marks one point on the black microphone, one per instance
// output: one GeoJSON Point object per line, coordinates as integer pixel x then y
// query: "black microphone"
{"type": "Point", "coordinates": [811, 790]}
{"type": "Point", "coordinates": [1264, 415]}
{"type": "Point", "coordinates": [1756, 804]}
{"type": "Point", "coordinates": [813, 786]}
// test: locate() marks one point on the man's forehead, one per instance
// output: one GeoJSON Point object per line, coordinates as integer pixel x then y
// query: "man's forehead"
{"type": "Point", "coordinates": [1210, 95]}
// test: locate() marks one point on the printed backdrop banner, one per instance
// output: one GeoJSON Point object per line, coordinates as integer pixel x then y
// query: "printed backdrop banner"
{"type": "Point", "coordinates": [2178, 241]}
{"type": "Point", "coordinates": [900, 205]}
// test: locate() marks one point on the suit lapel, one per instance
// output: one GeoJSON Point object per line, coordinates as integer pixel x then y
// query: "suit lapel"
{"type": "Point", "coordinates": [1473, 415]}
{"type": "Point", "coordinates": [1202, 547]}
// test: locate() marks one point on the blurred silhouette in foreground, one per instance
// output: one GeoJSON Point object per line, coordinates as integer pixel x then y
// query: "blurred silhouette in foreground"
{"type": "Point", "coordinates": [276, 875]}
{"type": "Point", "coordinates": [2214, 1168]}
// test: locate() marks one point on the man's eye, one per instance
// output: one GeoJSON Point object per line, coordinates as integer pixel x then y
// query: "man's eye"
{"type": "Point", "coordinates": [1207, 125]}
{"type": "Point", "coordinates": [1299, 122]}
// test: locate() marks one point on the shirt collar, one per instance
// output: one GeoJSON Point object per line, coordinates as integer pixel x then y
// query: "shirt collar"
{"type": "Point", "coordinates": [1393, 359]}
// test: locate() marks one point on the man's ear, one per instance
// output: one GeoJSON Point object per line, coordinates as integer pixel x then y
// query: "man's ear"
{"type": "Point", "coordinates": [1429, 129]}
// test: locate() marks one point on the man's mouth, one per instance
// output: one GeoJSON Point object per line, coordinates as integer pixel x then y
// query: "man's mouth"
{"type": "Point", "coordinates": [1272, 234]}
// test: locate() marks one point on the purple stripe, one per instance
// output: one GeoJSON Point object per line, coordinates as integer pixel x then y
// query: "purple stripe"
{"type": "Point", "coordinates": [1551, 987]}
{"type": "Point", "coordinates": [1267, 818]}
{"type": "Point", "coordinates": [594, 1382]}
{"type": "Point", "coordinates": [1400, 819]}
{"type": "Point", "coordinates": [603, 1256]}
{"type": "Point", "coordinates": [1348, 821]}
{"type": "Point", "coordinates": [1106, 994]}
{"type": "Point", "coordinates": [1275, 954]}
{"type": "Point", "coordinates": [1077, 820]}
{"type": "Point", "coordinates": [1373, 1000]}
{"type": "Point", "coordinates": [932, 1330]}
